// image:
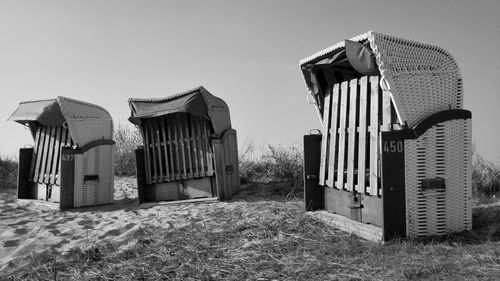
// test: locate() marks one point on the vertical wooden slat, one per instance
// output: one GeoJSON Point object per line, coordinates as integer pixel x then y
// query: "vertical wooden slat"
{"type": "Point", "coordinates": [342, 132]}
{"type": "Point", "coordinates": [173, 127]}
{"type": "Point", "coordinates": [57, 150]}
{"type": "Point", "coordinates": [63, 142]}
{"type": "Point", "coordinates": [194, 145]}
{"type": "Point", "coordinates": [147, 150]}
{"type": "Point", "coordinates": [386, 111]}
{"type": "Point", "coordinates": [165, 148]}
{"type": "Point", "coordinates": [152, 146]}
{"type": "Point", "coordinates": [50, 155]}
{"type": "Point", "coordinates": [333, 136]}
{"type": "Point", "coordinates": [43, 163]}
{"type": "Point", "coordinates": [206, 134]}
{"type": "Point", "coordinates": [374, 130]}
{"type": "Point", "coordinates": [171, 150]}
{"type": "Point", "coordinates": [201, 147]}
{"type": "Point", "coordinates": [363, 111]}
{"type": "Point", "coordinates": [156, 133]}
{"type": "Point", "coordinates": [187, 138]}
{"type": "Point", "coordinates": [351, 147]}
{"type": "Point", "coordinates": [182, 146]}
{"type": "Point", "coordinates": [35, 161]}
{"type": "Point", "coordinates": [324, 141]}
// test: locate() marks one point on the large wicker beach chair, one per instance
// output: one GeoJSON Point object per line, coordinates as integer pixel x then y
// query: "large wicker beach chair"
{"type": "Point", "coordinates": [190, 150]}
{"type": "Point", "coordinates": [71, 162]}
{"type": "Point", "coordinates": [395, 144]}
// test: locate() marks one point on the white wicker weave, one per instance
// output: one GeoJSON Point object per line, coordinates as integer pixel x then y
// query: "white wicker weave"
{"type": "Point", "coordinates": [443, 151]}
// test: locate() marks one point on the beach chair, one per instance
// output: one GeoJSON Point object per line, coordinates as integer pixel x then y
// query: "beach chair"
{"type": "Point", "coordinates": [395, 144]}
{"type": "Point", "coordinates": [189, 149]}
{"type": "Point", "coordinates": [71, 162]}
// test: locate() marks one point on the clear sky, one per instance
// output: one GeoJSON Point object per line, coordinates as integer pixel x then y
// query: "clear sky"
{"type": "Point", "coordinates": [246, 52]}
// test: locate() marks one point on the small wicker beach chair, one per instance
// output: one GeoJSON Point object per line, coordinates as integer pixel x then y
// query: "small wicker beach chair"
{"type": "Point", "coordinates": [395, 144]}
{"type": "Point", "coordinates": [71, 162]}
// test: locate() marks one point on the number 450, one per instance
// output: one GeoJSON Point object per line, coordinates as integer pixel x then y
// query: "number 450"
{"type": "Point", "coordinates": [393, 146]}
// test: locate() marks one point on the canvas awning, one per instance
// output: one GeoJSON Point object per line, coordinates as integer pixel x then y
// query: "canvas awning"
{"type": "Point", "coordinates": [197, 101]}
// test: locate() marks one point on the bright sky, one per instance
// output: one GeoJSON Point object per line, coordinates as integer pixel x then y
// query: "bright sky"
{"type": "Point", "coordinates": [246, 52]}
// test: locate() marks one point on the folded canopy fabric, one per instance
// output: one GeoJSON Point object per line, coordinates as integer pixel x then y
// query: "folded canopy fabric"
{"type": "Point", "coordinates": [45, 112]}
{"type": "Point", "coordinates": [197, 101]}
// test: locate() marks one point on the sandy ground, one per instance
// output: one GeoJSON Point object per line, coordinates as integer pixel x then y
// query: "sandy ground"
{"type": "Point", "coordinates": [27, 227]}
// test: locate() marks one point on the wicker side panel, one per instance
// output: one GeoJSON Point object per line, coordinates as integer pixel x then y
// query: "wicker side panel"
{"type": "Point", "coordinates": [232, 178]}
{"type": "Point", "coordinates": [442, 152]}
{"type": "Point", "coordinates": [94, 176]}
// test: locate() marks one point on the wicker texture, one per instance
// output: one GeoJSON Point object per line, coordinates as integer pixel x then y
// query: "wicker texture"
{"type": "Point", "coordinates": [444, 152]}
{"type": "Point", "coordinates": [96, 161]}
{"type": "Point", "coordinates": [421, 78]}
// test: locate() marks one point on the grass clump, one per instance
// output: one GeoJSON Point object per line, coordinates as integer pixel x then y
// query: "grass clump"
{"type": "Point", "coordinates": [127, 139]}
{"type": "Point", "coordinates": [8, 173]}
{"type": "Point", "coordinates": [279, 166]}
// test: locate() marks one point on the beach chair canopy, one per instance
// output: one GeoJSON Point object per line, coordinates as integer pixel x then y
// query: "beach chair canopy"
{"type": "Point", "coordinates": [87, 123]}
{"type": "Point", "coordinates": [198, 102]}
{"type": "Point", "coordinates": [422, 79]}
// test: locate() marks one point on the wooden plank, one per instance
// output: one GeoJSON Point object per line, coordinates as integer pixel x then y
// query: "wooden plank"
{"type": "Point", "coordinates": [180, 125]}
{"type": "Point", "coordinates": [374, 130]}
{"type": "Point", "coordinates": [187, 139]}
{"type": "Point", "coordinates": [323, 167]}
{"type": "Point", "coordinates": [173, 126]}
{"type": "Point", "coordinates": [151, 146]}
{"type": "Point", "coordinates": [158, 145]}
{"type": "Point", "coordinates": [333, 136]}
{"type": "Point", "coordinates": [363, 111]}
{"type": "Point", "coordinates": [35, 159]}
{"type": "Point", "coordinates": [171, 150]}
{"type": "Point", "coordinates": [194, 145]}
{"type": "Point", "coordinates": [43, 164]}
{"type": "Point", "coordinates": [206, 134]}
{"type": "Point", "coordinates": [386, 111]}
{"type": "Point", "coordinates": [351, 144]}
{"type": "Point", "coordinates": [50, 155]}
{"type": "Point", "coordinates": [342, 132]}
{"type": "Point", "coordinates": [165, 148]}
{"type": "Point", "coordinates": [64, 137]}
{"type": "Point", "coordinates": [147, 151]}
{"type": "Point", "coordinates": [201, 148]}
{"type": "Point", "coordinates": [56, 159]}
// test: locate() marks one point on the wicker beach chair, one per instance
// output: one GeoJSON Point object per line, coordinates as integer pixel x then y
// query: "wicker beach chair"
{"type": "Point", "coordinates": [395, 144]}
{"type": "Point", "coordinates": [190, 150]}
{"type": "Point", "coordinates": [71, 162]}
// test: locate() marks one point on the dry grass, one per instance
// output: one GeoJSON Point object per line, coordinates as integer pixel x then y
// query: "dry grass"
{"type": "Point", "coordinates": [263, 239]}
{"type": "Point", "coordinates": [127, 138]}
{"type": "Point", "coordinates": [8, 172]}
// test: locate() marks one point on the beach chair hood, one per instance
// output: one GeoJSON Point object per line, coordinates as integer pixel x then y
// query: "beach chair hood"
{"type": "Point", "coordinates": [198, 102]}
{"type": "Point", "coordinates": [86, 122]}
{"type": "Point", "coordinates": [422, 79]}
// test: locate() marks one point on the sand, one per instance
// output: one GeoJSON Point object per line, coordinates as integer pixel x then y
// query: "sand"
{"type": "Point", "coordinates": [28, 227]}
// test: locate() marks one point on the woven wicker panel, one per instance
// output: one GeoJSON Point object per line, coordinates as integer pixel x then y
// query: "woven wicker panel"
{"type": "Point", "coordinates": [95, 161]}
{"type": "Point", "coordinates": [231, 175]}
{"type": "Point", "coordinates": [422, 78]}
{"type": "Point", "coordinates": [442, 152]}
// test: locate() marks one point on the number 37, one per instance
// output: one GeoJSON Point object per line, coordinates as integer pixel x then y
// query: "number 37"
{"type": "Point", "coordinates": [393, 146]}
